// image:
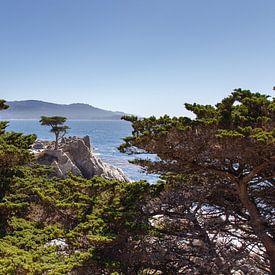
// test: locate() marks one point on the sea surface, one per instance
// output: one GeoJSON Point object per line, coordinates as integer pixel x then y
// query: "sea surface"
{"type": "Point", "coordinates": [105, 137]}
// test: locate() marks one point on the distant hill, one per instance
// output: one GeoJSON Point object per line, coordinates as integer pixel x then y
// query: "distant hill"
{"type": "Point", "coordinates": [34, 109]}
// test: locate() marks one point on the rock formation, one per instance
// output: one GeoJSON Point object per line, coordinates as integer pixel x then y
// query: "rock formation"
{"type": "Point", "coordinates": [75, 156]}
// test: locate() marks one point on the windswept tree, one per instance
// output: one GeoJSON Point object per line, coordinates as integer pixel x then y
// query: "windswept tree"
{"type": "Point", "coordinates": [14, 151]}
{"type": "Point", "coordinates": [58, 127]}
{"type": "Point", "coordinates": [219, 193]}
{"type": "Point", "coordinates": [3, 105]}
{"type": "Point", "coordinates": [14, 147]}
{"type": "Point", "coordinates": [55, 226]}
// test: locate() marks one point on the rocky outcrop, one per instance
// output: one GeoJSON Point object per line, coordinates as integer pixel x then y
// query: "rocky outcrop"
{"type": "Point", "coordinates": [76, 156]}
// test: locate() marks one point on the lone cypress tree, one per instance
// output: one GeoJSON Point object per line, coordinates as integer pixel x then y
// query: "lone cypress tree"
{"type": "Point", "coordinates": [58, 127]}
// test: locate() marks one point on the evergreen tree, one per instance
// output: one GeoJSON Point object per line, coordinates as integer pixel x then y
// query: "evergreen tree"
{"type": "Point", "coordinates": [219, 174]}
{"type": "Point", "coordinates": [54, 226]}
{"type": "Point", "coordinates": [3, 105]}
{"type": "Point", "coordinates": [212, 213]}
{"type": "Point", "coordinates": [57, 127]}
{"type": "Point", "coordinates": [14, 151]}
{"type": "Point", "coordinates": [14, 147]}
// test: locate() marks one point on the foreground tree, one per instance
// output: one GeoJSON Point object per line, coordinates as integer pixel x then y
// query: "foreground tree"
{"type": "Point", "coordinates": [3, 105]}
{"type": "Point", "coordinates": [213, 213]}
{"type": "Point", "coordinates": [54, 226]}
{"type": "Point", "coordinates": [219, 191]}
{"type": "Point", "coordinates": [14, 151]}
{"type": "Point", "coordinates": [72, 226]}
{"type": "Point", "coordinates": [14, 147]}
{"type": "Point", "coordinates": [58, 127]}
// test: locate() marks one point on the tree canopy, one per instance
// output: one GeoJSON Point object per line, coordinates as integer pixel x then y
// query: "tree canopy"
{"type": "Point", "coordinates": [219, 169]}
{"type": "Point", "coordinates": [58, 127]}
{"type": "Point", "coordinates": [211, 213]}
{"type": "Point", "coordinates": [14, 147]}
{"type": "Point", "coordinates": [3, 105]}
{"type": "Point", "coordinates": [54, 226]}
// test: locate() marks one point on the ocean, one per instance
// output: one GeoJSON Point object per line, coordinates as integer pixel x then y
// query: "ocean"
{"type": "Point", "coordinates": [105, 137]}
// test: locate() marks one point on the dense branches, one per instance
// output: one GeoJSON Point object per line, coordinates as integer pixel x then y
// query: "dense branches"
{"type": "Point", "coordinates": [223, 160]}
{"type": "Point", "coordinates": [14, 147]}
{"type": "Point", "coordinates": [54, 226]}
{"type": "Point", "coordinates": [212, 213]}
{"type": "Point", "coordinates": [57, 126]}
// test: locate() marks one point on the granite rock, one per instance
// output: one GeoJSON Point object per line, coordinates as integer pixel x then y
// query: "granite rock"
{"type": "Point", "coordinates": [75, 156]}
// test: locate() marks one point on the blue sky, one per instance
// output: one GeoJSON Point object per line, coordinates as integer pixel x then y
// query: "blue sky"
{"type": "Point", "coordinates": [139, 56]}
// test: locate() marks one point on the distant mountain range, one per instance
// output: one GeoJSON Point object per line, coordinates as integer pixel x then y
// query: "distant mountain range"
{"type": "Point", "coordinates": [34, 109]}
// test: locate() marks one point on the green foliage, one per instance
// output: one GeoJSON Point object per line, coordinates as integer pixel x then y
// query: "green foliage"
{"type": "Point", "coordinates": [145, 129]}
{"type": "Point", "coordinates": [57, 126]}
{"type": "Point", "coordinates": [223, 159]}
{"type": "Point", "coordinates": [60, 226]}
{"type": "Point", "coordinates": [14, 148]}
{"type": "Point", "coordinates": [52, 121]}
{"type": "Point", "coordinates": [3, 105]}
{"type": "Point", "coordinates": [239, 115]}
{"type": "Point", "coordinates": [54, 226]}
{"type": "Point", "coordinates": [86, 214]}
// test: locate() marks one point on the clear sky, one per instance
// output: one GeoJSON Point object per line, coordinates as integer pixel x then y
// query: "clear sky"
{"type": "Point", "coordinates": [139, 56]}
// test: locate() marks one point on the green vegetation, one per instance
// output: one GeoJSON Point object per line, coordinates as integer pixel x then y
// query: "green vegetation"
{"type": "Point", "coordinates": [212, 212]}
{"type": "Point", "coordinates": [54, 226]}
{"type": "Point", "coordinates": [85, 216]}
{"type": "Point", "coordinates": [221, 164]}
{"type": "Point", "coordinates": [58, 127]}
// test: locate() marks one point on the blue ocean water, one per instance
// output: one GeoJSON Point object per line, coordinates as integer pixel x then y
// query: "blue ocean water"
{"type": "Point", "coordinates": [105, 137]}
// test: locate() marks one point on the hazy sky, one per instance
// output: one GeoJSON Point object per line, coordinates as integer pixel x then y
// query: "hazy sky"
{"type": "Point", "coordinates": [139, 56]}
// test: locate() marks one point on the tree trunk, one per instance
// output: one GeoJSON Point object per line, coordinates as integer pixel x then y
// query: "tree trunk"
{"type": "Point", "coordinates": [56, 142]}
{"type": "Point", "coordinates": [258, 224]}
